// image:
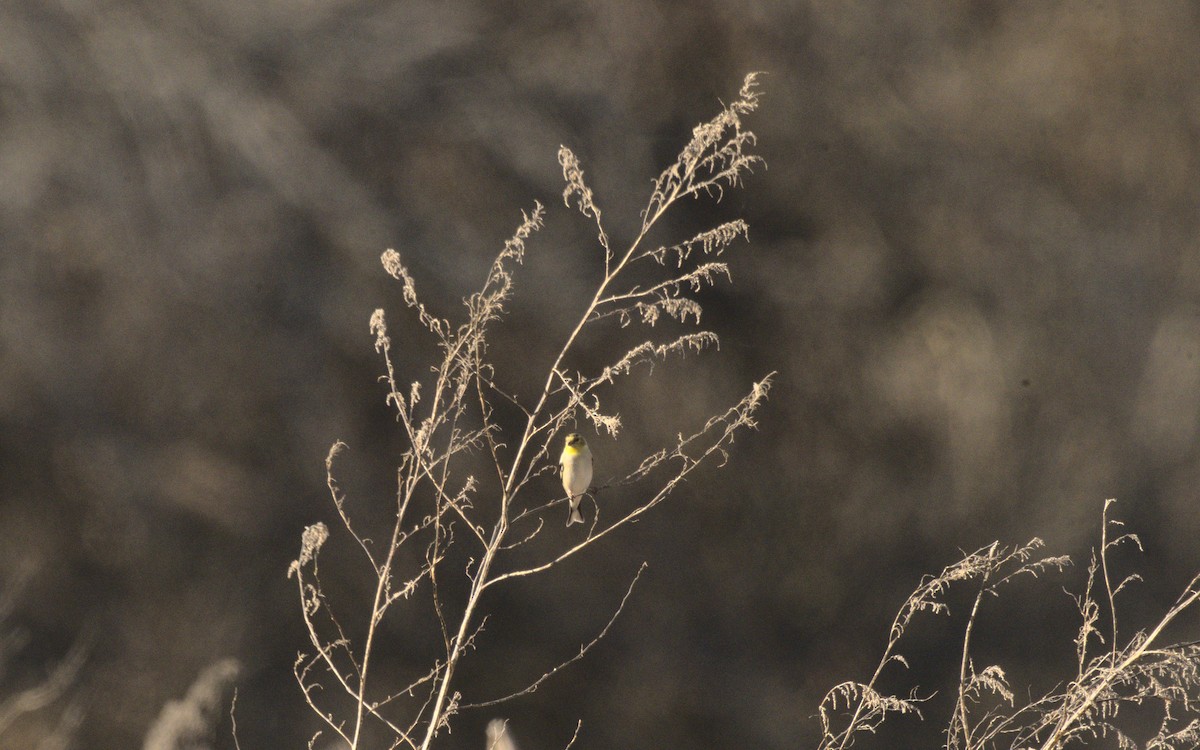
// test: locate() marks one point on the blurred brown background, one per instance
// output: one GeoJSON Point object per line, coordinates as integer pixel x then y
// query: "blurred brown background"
{"type": "Point", "coordinates": [975, 263]}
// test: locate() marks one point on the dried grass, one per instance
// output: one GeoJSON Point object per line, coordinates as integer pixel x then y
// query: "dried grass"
{"type": "Point", "coordinates": [1084, 709]}
{"type": "Point", "coordinates": [448, 418]}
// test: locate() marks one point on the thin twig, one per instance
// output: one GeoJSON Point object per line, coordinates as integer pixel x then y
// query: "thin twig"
{"type": "Point", "coordinates": [533, 686]}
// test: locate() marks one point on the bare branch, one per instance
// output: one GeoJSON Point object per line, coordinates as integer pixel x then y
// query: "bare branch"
{"type": "Point", "coordinates": [533, 686]}
{"type": "Point", "coordinates": [582, 194]}
{"type": "Point", "coordinates": [449, 418]}
{"type": "Point", "coordinates": [710, 241]}
{"type": "Point", "coordinates": [737, 417]}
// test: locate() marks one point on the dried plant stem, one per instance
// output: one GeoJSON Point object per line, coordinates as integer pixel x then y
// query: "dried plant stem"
{"type": "Point", "coordinates": [961, 712]}
{"type": "Point", "coordinates": [1138, 651]}
{"type": "Point", "coordinates": [456, 651]}
{"type": "Point", "coordinates": [1108, 587]}
{"type": "Point", "coordinates": [582, 651]}
{"type": "Point", "coordinates": [1075, 711]}
{"type": "Point", "coordinates": [430, 467]}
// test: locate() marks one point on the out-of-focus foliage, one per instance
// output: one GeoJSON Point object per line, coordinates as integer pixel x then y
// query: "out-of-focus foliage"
{"type": "Point", "coordinates": [974, 261]}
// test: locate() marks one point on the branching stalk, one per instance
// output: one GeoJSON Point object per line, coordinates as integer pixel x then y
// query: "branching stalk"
{"type": "Point", "coordinates": [451, 415]}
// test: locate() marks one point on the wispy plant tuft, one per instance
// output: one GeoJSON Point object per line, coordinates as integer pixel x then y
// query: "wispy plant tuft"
{"type": "Point", "coordinates": [448, 419]}
{"type": "Point", "coordinates": [1083, 709]}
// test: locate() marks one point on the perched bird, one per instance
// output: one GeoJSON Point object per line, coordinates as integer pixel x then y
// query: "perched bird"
{"type": "Point", "coordinates": [576, 465]}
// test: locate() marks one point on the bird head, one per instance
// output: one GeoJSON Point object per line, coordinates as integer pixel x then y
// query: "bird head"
{"type": "Point", "coordinates": [576, 441]}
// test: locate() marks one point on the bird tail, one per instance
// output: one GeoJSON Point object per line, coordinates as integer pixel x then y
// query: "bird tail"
{"type": "Point", "coordinates": [575, 516]}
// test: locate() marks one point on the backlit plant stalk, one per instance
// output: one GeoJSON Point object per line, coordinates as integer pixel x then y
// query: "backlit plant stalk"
{"type": "Point", "coordinates": [450, 416]}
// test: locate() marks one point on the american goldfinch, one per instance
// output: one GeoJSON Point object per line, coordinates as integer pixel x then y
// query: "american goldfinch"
{"type": "Point", "coordinates": [576, 465]}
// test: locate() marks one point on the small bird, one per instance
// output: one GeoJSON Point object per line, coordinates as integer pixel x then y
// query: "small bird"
{"type": "Point", "coordinates": [576, 465]}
